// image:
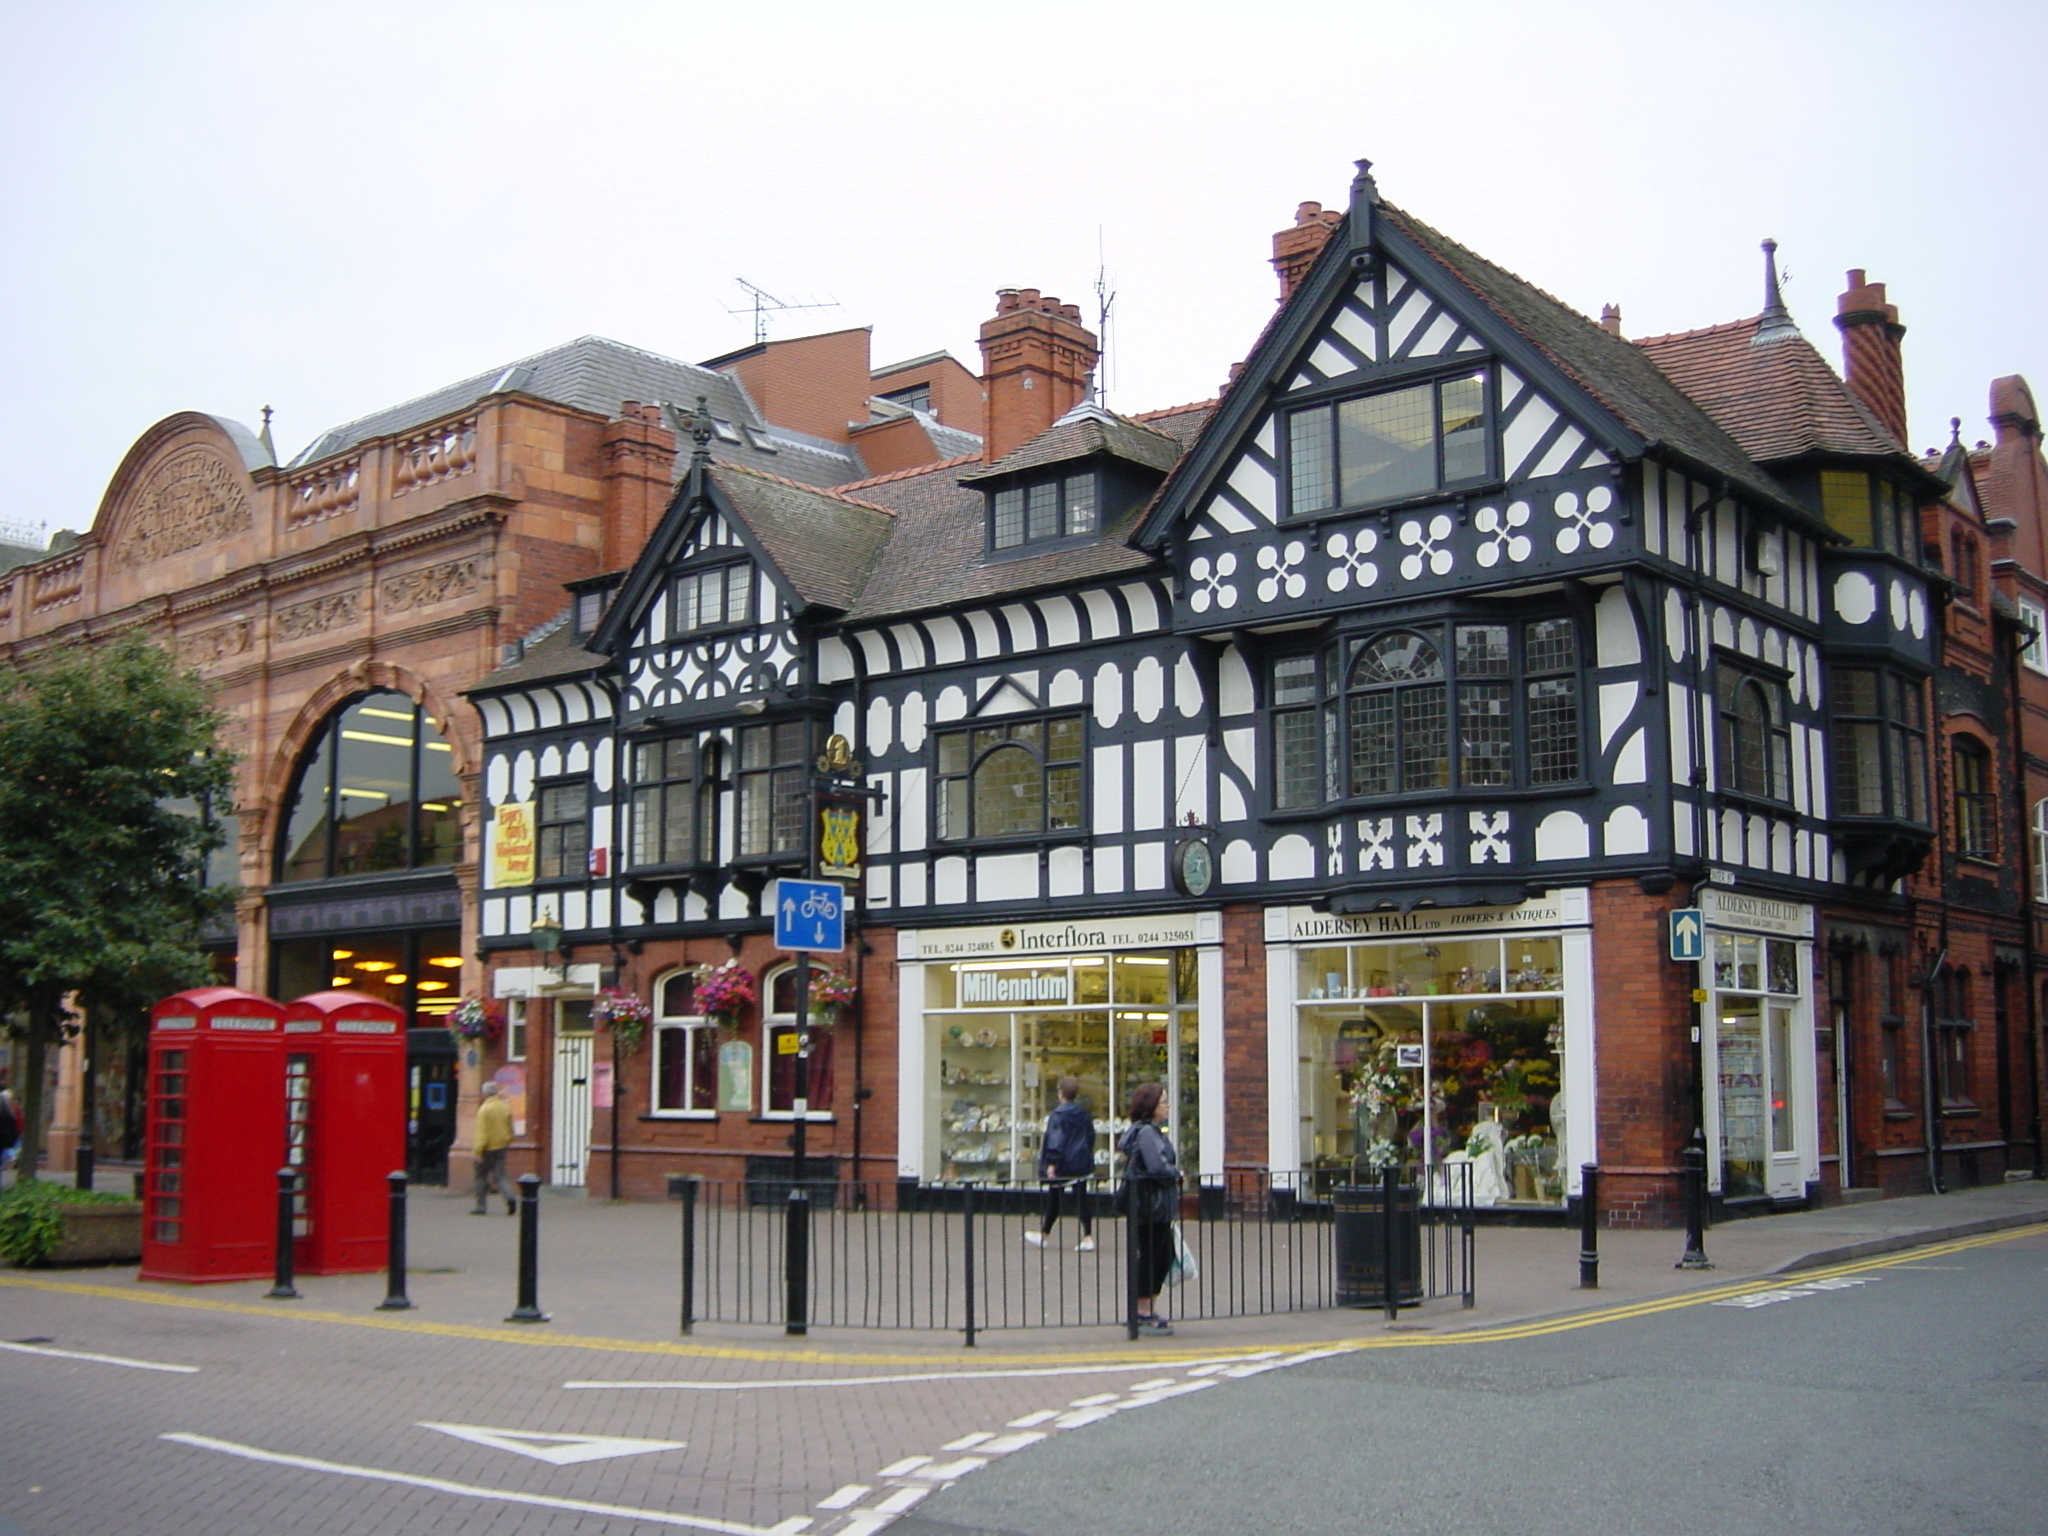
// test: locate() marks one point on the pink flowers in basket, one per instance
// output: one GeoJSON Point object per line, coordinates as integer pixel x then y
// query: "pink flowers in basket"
{"type": "Point", "coordinates": [832, 989]}
{"type": "Point", "coordinates": [725, 991]}
{"type": "Point", "coordinates": [477, 1018]}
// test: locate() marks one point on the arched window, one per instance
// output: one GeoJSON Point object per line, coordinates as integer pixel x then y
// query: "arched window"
{"type": "Point", "coordinates": [1975, 827]}
{"type": "Point", "coordinates": [1396, 716]}
{"type": "Point", "coordinates": [1016, 779]}
{"type": "Point", "coordinates": [376, 791]}
{"type": "Point", "coordinates": [778, 1060]}
{"type": "Point", "coordinates": [1756, 742]}
{"type": "Point", "coordinates": [685, 1050]}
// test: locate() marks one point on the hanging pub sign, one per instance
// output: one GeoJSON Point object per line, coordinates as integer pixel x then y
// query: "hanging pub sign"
{"type": "Point", "coordinates": [839, 836]}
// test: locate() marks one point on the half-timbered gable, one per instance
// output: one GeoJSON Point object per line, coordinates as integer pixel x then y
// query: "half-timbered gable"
{"type": "Point", "coordinates": [1034, 729]}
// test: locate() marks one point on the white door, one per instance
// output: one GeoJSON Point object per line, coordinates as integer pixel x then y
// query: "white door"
{"type": "Point", "coordinates": [571, 1093]}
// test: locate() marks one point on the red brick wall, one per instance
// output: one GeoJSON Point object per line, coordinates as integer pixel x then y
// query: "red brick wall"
{"type": "Point", "coordinates": [1643, 1016]}
{"type": "Point", "coordinates": [814, 384]}
{"type": "Point", "coordinates": [956, 393]}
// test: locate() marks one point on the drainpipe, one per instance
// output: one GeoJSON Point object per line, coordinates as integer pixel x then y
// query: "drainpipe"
{"type": "Point", "coordinates": [1932, 1108]}
{"type": "Point", "coordinates": [2014, 683]}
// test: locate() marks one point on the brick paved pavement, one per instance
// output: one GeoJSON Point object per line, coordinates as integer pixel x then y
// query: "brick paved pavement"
{"type": "Point", "coordinates": [839, 1431]}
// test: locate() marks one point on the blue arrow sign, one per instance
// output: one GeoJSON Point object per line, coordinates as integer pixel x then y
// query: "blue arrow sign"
{"type": "Point", "coordinates": [1688, 933]}
{"type": "Point", "coordinates": [810, 915]}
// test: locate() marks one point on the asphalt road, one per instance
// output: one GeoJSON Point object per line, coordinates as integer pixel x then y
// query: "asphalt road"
{"type": "Point", "coordinates": [1907, 1397]}
{"type": "Point", "coordinates": [1895, 1393]}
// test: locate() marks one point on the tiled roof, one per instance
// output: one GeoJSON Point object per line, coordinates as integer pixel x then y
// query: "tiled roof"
{"type": "Point", "coordinates": [1613, 371]}
{"type": "Point", "coordinates": [553, 656]}
{"type": "Point", "coordinates": [1775, 394]}
{"type": "Point", "coordinates": [1082, 432]}
{"type": "Point", "coordinates": [937, 556]}
{"type": "Point", "coordinates": [824, 544]}
{"type": "Point", "coordinates": [594, 374]}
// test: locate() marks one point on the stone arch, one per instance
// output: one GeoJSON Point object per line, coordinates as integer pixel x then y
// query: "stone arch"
{"type": "Point", "coordinates": [366, 676]}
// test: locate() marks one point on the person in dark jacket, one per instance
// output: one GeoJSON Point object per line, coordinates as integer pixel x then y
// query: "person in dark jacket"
{"type": "Point", "coordinates": [1151, 1199]}
{"type": "Point", "coordinates": [1065, 1160]}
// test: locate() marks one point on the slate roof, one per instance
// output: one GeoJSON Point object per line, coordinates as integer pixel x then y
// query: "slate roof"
{"type": "Point", "coordinates": [1774, 393]}
{"type": "Point", "coordinates": [552, 656]}
{"type": "Point", "coordinates": [937, 556]}
{"type": "Point", "coordinates": [1613, 371]}
{"type": "Point", "coordinates": [1084, 431]}
{"type": "Point", "coordinates": [824, 544]}
{"type": "Point", "coordinates": [595, 374]}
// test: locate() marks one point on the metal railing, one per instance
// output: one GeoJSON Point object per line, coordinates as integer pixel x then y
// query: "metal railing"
{"type": "Point", "coordinates": [955, 1257]}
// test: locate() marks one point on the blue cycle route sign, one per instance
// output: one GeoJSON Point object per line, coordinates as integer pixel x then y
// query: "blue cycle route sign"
{"type": "Point", "coordinates": [1688, 933]}
{"type": "Point", "coordinates": [810, 914]}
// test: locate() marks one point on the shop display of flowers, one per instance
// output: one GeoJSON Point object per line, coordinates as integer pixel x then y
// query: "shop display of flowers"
{"type": "Point", "coordinates": [724, 992]}
{"type": "Point", "coordinates": [477, 1018]}
{"type": "Point", "coordinates": [625, 1013]}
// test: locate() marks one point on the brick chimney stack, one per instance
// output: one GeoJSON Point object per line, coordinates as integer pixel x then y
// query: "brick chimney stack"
{"type": "Point", "coordinates": [1036, 360]}
{"type": "Point", "coordinates": [1872, 362]}
{"type": "Point", "coordinates": [1294, 250]}
{"type": "Point", "coordinates": [639, 463]}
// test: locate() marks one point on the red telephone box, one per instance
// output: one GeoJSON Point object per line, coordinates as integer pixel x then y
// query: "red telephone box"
{"type": "Point", "coordinates": [216, 1133]}
{"type": "Point", "coordinates": [345, 1081]}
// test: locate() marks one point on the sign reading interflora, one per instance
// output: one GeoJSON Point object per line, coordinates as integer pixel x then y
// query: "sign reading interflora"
{"type": "Point", "coordinates": [1162, 932]}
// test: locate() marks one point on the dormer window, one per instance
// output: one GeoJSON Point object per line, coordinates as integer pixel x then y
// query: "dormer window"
{"type": "Point", "coordinates": [1044, 513]}
{"type": "Point", "coordinates": [1392, 445]}
{"type": "Point", "coordinates": [717, 597]}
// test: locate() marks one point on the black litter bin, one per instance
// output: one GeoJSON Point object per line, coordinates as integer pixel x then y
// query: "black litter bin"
{"type": "Point", "coordinates": [1362, 1243]}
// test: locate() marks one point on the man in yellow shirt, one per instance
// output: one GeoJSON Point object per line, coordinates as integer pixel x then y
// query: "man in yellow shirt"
{"type": "Point", "coordinates": [493, 1136]}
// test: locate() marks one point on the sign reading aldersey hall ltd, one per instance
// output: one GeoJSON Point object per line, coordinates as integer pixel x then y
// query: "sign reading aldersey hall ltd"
{"type": "Point", "coordinates": [1305, 925]}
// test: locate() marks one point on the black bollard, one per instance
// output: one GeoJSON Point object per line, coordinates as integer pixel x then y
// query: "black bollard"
{"type": "Point", "coordinates": [1390, 1260]}
{"type": "Point", "coordinates": [1695, 1192]}
{"type": "Point", "coordinates": [797, 1263]}
{"type": "Point", "coordinates": [1130, 1255]}
{"type": "Point", "coordinates": [967, 1254]}
{"type": "Point", "coordinates": [1589, 1227]}
{"type": "Point", "coordinates": [395, 1299]}
{"type": "Point", "coordinates": [287, 1187]}
{"type": "Point", "coordinates": [689, 1252]}
{"type": "Point", "coordinates": [528, 1310]}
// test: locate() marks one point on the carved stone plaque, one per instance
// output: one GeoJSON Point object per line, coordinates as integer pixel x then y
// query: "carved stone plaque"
{"type": "Point", "coordinates": [316, 616]}
{"type": "Point", "coordinates": [191, 498]}
{"type": "Point", "coordinates": [429, 585]}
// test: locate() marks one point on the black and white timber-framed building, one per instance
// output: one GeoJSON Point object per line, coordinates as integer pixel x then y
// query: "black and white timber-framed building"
{"type": "Point", "coordinates": [1334, 753]}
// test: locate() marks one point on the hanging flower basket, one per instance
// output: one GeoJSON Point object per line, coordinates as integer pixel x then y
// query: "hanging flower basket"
{"type": "Point", "coordinates": [724, 992]}
{"type": "Point", "coordinates": [477, 1018]}
{"type": "Point", "coordinates": [624, 1013]}
{"type": "Point", "coordinates": [830, 992]}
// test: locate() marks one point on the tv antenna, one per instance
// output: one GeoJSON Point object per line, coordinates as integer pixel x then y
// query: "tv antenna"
{"type": "Point", "coordinates": [765, 304]}
{"type": "Point", "coordinates": [1105, 299]}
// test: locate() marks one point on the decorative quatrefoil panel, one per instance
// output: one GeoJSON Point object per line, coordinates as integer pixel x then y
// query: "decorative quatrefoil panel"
{"type": "Point", "coordinates": [1213, 586]}
{"type": "Point", "coordinates": [1348, 563]}
{"type": "Point", "coordinates": [1585, 522]}
{"type": "Point", "coordinates": [1431, 543]}
{"type": "Point", "coordinates": [1502, 536]}
{"type": "Point", "coordinates": [1285, 565]}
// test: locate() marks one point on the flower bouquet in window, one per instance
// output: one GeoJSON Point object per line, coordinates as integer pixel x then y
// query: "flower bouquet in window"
{"type": "Point", "coordinates": [724, 992]}
{"type": "Point", "coordinates": [477, 1018]}
{"type": "Point", "coordinates": [831, 991]}
{"type": "Point", "coordinates": [625, 1014]}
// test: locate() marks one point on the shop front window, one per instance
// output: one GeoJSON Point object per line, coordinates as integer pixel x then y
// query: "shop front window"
{"type": "Point", "coordinates": [1004, 1032]}
{"type": "Point", "coordinates": [1422, 1054]}
{"type": "Point", "coordinates": [420, 972]}
{"type": "Point", "coordinates": [1756, 984]}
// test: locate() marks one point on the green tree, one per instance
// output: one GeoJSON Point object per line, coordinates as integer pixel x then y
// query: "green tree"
{"type": "Point", "coordinates": [102, 891]}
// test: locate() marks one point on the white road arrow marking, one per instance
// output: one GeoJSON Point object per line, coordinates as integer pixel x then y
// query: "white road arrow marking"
{"type": "Point", "coordinates": [556, 1450]}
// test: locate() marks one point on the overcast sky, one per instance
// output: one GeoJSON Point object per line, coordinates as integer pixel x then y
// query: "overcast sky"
{"type": "Point", "coordinates": [333, 207]}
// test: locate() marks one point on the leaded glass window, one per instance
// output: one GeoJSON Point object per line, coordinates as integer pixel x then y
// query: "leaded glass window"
{"type": "Point", "coordinates": [1011, 779]}
{"type": "Point", "coordinates": [1387, 446]}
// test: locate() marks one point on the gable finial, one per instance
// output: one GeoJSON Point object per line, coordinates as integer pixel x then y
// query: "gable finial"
{"type": "Point", "coordinates": [1365, 199]}
{"type": "Point", "coordinates": [1775, 322]}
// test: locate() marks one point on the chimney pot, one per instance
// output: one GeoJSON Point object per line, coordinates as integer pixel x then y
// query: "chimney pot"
{"type": "Point", "coordinates": [1610, 319]}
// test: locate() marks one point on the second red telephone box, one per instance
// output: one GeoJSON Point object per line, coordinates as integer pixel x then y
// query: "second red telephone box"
{"type": "Point", "coordinates": [216, 1133]}
{"type": "Point", "coordinates": [344, 1074]}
